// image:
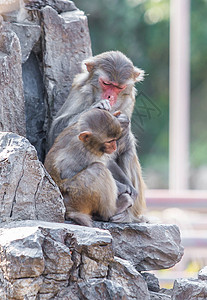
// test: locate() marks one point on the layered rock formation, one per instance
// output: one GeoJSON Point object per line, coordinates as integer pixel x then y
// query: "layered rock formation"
{"type": "Point", "coordinates": [26, 189]}
{"type": "Point", "coordinates": [42, 45]}
{"type": "Point", "coordinates": [50, 260]}
{"type": "Point", "coordinates": [44, 42]}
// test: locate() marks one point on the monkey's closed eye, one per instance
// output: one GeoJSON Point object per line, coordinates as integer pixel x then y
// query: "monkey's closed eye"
{"type": "Point", "coordinates": [105, 83]}
{"type": "Point", "coordinates": [109, 142]}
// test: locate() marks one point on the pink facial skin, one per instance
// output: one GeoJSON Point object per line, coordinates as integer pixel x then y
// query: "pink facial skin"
{"type": "Point", "coordinates": [110, 90]}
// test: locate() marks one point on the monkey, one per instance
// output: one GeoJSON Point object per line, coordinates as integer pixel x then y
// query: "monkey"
{"type": "Point", "coordinates": [78, 163]}
{"type": "Point", "coordinates": [108, 82]}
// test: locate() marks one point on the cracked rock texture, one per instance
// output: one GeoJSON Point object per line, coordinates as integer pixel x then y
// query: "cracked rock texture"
{"type": "Point", "coordinates": [12, 112]}
{"type": "Point", "coordinates": [189, 289]}
{"type": "Point", "coordinates": [146, 246]}
{"type": "Point", "coordinates": [41, 260]}
{"type": "Point", "coordinates": [42, 46]}
{"type": "Point", "coordinates": [66, 43]}
{"type": "Point", "coordinates": [26, 189]}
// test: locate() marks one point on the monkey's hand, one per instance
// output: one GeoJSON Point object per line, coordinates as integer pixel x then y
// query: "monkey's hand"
{"type": "Point", "coordinates": [124, 121]}
{"type": "Point", "coordinates": [126, 189]}
{"type": "Point", "coordinates": [133, 192]}
{"type": "Point", "coordinates": [103, 104]}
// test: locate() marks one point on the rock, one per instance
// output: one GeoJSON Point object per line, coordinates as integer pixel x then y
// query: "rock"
{"type": "Point", "coordinates": [91, 268]}
{"type": "Point", "coordinates": [101, 289]}
{"type": "Point", "coordinates": [69, 293]}
{"type": "Point", "coordinates": [146, 246]}
{"type": "Point", "coordinates": [26, 189]}
{"type": "Point", "coordinates": [165, 291]}
{"type": "Point", "coordinates": [14, 11]}
{"type": "Point", "coordinates": [189, 289]}
{"type": "Point", "coordinates": [21, 254]}
{"type": "Point", "coordinates": [66, 43]}
{"type": "Point", "coordinates": [22, 289]}
{"type": "Point", "coordinates": [12, 113]}
{"type": "Point", "coordinates": [58, 5]}
{"type": "Point", "coordinates": [28, 35]}
{"type": "Point", "coordinates": [53, 284]}
{"type": "Point", "coordinates": [123, 273]}
{"type": "Point", "coordinates": [38, 259]}
{"type": "Point", "coordinates": [152, 282]}
{"type": "Point", "coordinates": [34, 104]}
{"type": "Point", "coordinates": [159, 296]}
{"type": "Point", "coordinates": [202, 275]}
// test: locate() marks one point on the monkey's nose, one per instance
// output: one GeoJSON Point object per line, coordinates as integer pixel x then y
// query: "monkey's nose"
{"type": "Point", "coordinates": [110, 97]}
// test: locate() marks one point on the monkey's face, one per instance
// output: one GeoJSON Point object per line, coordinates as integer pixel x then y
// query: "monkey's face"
{"type": "Point", "coordinates": [109, 147]}
{"type": "Point", "coordinates": [110, 90]}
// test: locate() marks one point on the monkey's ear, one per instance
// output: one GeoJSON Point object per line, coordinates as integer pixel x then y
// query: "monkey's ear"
{"type": "Point", "coordinates": [89, 64]}
{"type": "Point", "coordinates": [84, 136]}
{"type": "Point", "coordinates": [117, 113]}
{"type": "Point", "coordinates": [138, 74]}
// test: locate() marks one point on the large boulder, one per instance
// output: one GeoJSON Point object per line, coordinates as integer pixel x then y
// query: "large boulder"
{"type": "Point", "coordinates": [101, 289]}
{"type": "Point", "coordinates": [26, 189]}
{"type": "Point", "coordinates": [66, 42]}
{"type": "Point", "coordinates": [12, 112]}
{"type": "Point", "coordinates": [41, 260]}
{"type": "Point", "coordinates": [123, 273]}
{"type": "Point", "coordinates": [53, 40]}
{"type": "Point", "coordinates": [189, 289]}
{"type": "Point", "coordinates": [146, 246]}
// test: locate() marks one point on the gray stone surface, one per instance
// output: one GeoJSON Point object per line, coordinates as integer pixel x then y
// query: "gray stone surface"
{"type": "Point", "coordinates": [152, 282]}
{"type": "Point", "coordinates": [26, 189]}
{"type": "Point", "coordinates": [189, 289]}
{"type": "Point", "coordinates": [12, 112]}
{"type": "Point", "coordinates": [146, 246]}
{"type": "Point", "coordinates": [28, 35]}
{"type": "Point", "coordinates": [159, 296]}
{"type": "Point", "coordinates": [203, 274]}
{"type": "Point", "coordinates": [123, 273]}
{"type": "Point", "coordinates": [66, 42]}
{"type": "Point", "coordinates": [43, 260]}
{"type": "Point", "coordinates": [58, 5]}
{"type": "Point", "coordinates": [101, 289]}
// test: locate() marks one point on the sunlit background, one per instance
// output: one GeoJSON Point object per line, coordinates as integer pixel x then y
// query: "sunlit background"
{"type": "Point", "coordinates": [141, 29]}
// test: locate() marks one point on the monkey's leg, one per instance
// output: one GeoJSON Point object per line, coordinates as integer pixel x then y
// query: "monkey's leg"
{"type": "Point", "coordinates": [123, 183]}
{"type": "Point", "coordinates": [123, 202]}
{"type": "Point", "coordinates": [91, 191]}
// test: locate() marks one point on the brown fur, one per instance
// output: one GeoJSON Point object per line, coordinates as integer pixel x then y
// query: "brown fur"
{"type": "Point", "coordinates": [79, 167]}
{"type": "Point", "coordinates": [86, 94]}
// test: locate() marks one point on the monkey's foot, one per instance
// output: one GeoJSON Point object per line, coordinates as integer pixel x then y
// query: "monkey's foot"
{"type": "Point", "coordinates": [120, 218]}
{"type": "Point", "coordinates": [123, 202]}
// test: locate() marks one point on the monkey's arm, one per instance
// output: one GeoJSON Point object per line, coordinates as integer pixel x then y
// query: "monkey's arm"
{"type": "Point", "coordinates": [129, 163]}
{"type": "Point", "coordinates": [67, 117]}
{"type": "Point", "coordinates": [123, 183]}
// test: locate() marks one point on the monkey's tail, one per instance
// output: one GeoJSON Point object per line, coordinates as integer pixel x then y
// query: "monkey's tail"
{"type": "Point", "coordinates": [80, 218]}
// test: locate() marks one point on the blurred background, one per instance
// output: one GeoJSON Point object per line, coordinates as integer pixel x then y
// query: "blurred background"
{"type": "Point", "coordinates": [141, 30]}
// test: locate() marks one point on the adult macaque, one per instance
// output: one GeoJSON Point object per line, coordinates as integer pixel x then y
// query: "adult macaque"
{"type": "Point", "coordinates": [78, 164]}
{"type": "Point", "coordinates": [107, 82]}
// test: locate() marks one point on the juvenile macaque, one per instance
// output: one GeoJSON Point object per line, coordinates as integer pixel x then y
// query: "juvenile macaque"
{"type": "Point", "coordinates": [107, 82]}
{"type": "Point", "coordinates": [78, 163]}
